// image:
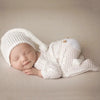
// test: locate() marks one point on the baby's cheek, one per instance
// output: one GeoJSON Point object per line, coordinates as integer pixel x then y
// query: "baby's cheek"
{"type": "Point", "coordinates": [32, 57]}
{"type": "Point", "coordinates": [14, 65]}
{"type": "Point", "coordinates": [17, 66]}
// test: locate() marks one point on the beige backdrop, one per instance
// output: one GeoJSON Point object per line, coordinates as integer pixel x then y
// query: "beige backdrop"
{"type": "Point", "coordinates": [51, 20]}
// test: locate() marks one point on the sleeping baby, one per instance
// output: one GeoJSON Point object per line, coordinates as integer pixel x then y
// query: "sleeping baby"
{"type": "Point", "coordinates": [61, 58]}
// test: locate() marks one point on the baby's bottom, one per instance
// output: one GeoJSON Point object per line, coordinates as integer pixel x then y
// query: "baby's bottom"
{"type": "Point", "coordinates": [72, 48]}
{"type": "Point", "coordinates": [74, 43]}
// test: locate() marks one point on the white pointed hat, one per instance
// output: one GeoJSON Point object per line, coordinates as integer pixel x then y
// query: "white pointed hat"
{"type": "Point", "coordinates": [16, 36]}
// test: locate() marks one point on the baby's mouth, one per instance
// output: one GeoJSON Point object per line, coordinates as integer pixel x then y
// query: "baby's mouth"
{"type": "Point", "coordinates": [26, 63]}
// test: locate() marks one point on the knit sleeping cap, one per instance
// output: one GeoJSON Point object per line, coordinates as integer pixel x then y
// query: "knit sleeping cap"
{"type": "Point", "coordinates": [16, 36]}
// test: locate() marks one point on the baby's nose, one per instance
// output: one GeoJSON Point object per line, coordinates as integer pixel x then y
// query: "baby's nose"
{"type": "Point", "coordinates": [24, 59]}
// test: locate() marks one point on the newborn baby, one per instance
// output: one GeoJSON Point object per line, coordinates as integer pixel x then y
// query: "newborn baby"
{"type": "Point", "coordinates": [61, 58]}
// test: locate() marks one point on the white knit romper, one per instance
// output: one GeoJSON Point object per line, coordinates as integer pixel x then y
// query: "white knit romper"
{"type": "Point", "coordinates": [58, 60]}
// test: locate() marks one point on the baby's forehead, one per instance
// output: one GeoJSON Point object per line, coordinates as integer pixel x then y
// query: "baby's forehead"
{"type": "Point", "coordinates": [22, 47]}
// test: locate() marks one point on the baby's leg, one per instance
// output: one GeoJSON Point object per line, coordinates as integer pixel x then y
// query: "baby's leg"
{"type": "Point", "coordinates": [75, 44]}
{"type": "Point", "coordinates": [71, 54]}
{"type": "Point", "coordinates": [77, 58]}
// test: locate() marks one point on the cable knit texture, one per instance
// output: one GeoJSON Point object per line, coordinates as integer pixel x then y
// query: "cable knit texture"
{"type": "Point", "coordinates": [57, 61]}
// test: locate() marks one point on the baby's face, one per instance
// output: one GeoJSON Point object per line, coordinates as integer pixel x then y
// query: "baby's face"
{"type": "Point", "coordinates": [23, 56]}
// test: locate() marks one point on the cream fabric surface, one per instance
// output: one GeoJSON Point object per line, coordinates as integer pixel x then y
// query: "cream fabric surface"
{"type": "Point", "coordinates": [51, 20]}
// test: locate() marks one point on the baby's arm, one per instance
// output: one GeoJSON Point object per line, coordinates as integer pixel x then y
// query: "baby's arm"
{"type": "Point", "coordinates": [48, 72]}
{"type": "Point", "coordinates": [33, 71]}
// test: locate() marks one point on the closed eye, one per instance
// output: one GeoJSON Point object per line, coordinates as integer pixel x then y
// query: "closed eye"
{"type": "Point", "coordinates": [15, 58]}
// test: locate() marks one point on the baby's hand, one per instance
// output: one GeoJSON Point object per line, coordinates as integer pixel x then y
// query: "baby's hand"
{"type": "Point", "coordinates": [33, 71]}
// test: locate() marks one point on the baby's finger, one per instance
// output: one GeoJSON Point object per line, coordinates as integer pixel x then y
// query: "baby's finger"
{"type": "Point", "coordinates": [28, 70]}
{"type": "Point", "coordinates": [29, 73]}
